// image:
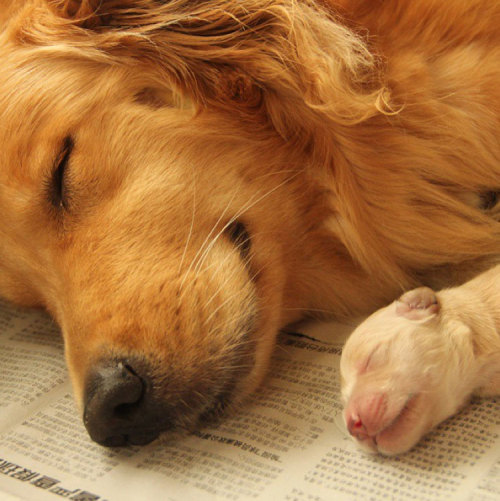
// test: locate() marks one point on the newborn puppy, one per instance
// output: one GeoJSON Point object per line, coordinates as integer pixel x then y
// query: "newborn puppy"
{"type": "Point", "coordinates": [416, 362]}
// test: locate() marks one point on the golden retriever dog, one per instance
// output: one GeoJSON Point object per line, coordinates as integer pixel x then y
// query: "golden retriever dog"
{"type": "Point", "coordinates": [179, 179]}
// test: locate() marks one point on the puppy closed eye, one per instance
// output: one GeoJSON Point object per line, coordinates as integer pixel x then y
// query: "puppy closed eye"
{"type": "Point", "coordinates": [376, 359]}
{"type": "Point", "coordinates": [58, 190]}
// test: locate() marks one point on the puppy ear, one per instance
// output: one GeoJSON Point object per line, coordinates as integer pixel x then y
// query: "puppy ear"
{"type": "Point", "coordinates": [418, 304]}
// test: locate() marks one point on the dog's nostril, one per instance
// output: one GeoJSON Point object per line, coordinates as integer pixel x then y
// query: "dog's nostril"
{"type": "Point", "coordinates": [122, 410]}
{"type": "Point", "coordinates": [125, 390]}
{"type": "Point", "coordinates": [116, 406]}
{"type": "Point", "coordinates": [120, 390]}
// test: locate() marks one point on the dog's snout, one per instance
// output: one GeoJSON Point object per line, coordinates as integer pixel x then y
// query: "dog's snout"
{"type": "Point", "coordinates": [119, 408]}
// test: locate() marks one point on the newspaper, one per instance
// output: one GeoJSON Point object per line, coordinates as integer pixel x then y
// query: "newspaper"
{"type": "Point", "coordinates": [288, 443]}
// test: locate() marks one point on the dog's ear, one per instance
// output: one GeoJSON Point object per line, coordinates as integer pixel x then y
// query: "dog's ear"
{"type": "Point", "coordinates": [289, 62]}
{"type": "Point", "coordinates": [418, 304]}
{"type": "Point", "coordinates": [73, 9]}
{"type": "Point", "coordinates": [98, 15]}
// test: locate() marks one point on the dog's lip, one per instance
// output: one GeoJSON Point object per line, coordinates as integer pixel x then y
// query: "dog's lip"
{"type": "Point", "coordinates": [143, 437]}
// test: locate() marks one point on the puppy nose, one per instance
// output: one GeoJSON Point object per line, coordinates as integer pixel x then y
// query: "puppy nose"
{"type": "Point", "coordinates": [356, 427]}
{"type": "Point", "coordinates": [119, 409]}
{"type": "Point", "coordinates": [367, 414]}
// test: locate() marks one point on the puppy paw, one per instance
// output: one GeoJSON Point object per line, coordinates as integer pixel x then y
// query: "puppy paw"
{"type": "Point", "coordinates": [405, 369]}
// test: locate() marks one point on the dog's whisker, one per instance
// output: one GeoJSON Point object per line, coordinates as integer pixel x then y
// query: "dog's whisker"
{"type": "Point", "coordinates": [190, 228]}
{"type": "Point", "coordinates": [251, 278]}
{"type": "Point", "coordinates": [227, 300]}
{"type": "Point", "coordinates": [219, 266]}
{"type": "Point", "coordinates": [224, 303]}
{"type": "Point", "coordinates": [233, 326]}
{"type": "Point", "coordinates": [226, 280]}
{"type": "Point", "coordinates": [249, 205]}
{"type": "Point", "coordinates": [193, 261]}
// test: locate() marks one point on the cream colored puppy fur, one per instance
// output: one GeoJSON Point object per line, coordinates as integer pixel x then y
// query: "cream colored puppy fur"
{"type": "Point", "coordinates": [417, 361]}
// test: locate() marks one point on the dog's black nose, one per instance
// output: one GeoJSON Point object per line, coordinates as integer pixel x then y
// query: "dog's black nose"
{"type": "Point", "coordinates": [119, 408]}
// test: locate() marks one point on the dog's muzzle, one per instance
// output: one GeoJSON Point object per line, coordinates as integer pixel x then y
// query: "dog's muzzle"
{"type": "Point", "coordinates": [128, 402]}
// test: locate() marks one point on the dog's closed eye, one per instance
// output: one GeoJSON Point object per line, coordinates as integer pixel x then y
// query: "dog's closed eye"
{"type": "Point", "coordinates": [59, 195]}
{"type": "Point", "coordinates": [239, 235]}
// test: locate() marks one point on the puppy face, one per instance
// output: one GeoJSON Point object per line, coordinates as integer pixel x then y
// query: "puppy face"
{"type": "Point", "coordinates": [129, 214]}
{"type": "Point", "coordinates": [405, 369]}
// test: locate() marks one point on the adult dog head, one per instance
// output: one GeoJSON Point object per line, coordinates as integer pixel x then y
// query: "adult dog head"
{"type": "Point", "coordinates": [157, 195]}
{"type": "Point", "coordinates": [149, 203]}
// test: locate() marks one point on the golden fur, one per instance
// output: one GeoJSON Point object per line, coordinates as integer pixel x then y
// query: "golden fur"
{"type": "Point", "coordinates": [356, 140]}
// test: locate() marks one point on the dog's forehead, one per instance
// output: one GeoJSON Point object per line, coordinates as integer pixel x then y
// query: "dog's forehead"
{"type": "Point", "coordinates": [45, 100]}
{"type": "Point", "coordinates": [35, 87]}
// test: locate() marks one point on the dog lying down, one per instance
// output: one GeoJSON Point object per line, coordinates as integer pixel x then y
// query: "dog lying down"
{"type": "Point", "coordinates": [181, 179]}
{"type": "Point", "coordinates": [415, 362]}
